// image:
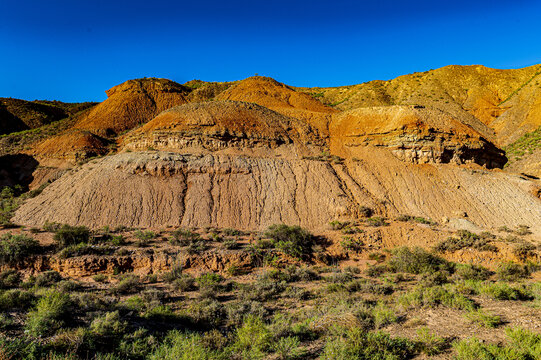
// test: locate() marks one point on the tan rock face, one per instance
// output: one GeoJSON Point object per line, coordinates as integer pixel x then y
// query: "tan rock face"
{"type": "Point", "coordinates": [160, 189]}
{"type": "Point", "coordinates": [414, 134]}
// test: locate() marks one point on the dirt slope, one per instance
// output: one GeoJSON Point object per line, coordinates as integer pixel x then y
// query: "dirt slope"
{"type": "Point", "coordinates": [157, 189]}
{"type": "Point", "coordinates": [72, 145]}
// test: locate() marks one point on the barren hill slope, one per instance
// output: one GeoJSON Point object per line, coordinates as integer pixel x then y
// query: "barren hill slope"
{"type": "Point", "coordinates": [500, 104]}
{"type": "Point", "coordinates": [132, 103]}
{"type": "Point", "coordinates": [281, 98]}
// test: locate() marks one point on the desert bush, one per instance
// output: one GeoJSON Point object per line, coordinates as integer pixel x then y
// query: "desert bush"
{"type": "Point", "coordinates": [9, 279]}
{"type": "Point", "coordinates": [207, 313]}
{"type": "Point", "coordinates": [71, 235]}
{"type": "Point", "coordinates": [376, 221]}
{"type": "Point", "coordinates": [252, 339]}
{"type": "Point", "coordinates": [15, 299]}
{"type": "Point", "coordinates": [338, 225]}
{"type": "Point", "coordinates": [128, 284]}
{"type": "Point", "coordinates": [417, 261]}
{"type": "Point", "coordinates": [50, 314]}
{"type": "Point", "coordinates": [383, 315]}
{"type": "Point", "coordinates": [182, 346]}
{"type": "Point", "coordinates": [434, 279]}
{"type": "Point", "coordinates": [287, 348]}
{"type": "Point", "coordinates": [230, 244]}
{"type": "Point", "coordinates": [503, 291]}
{"type": "Point", "coordinates": [292, 240]}
{"type": "Point", "coordinates": [107, 329]}
{"type": "Point", "coordinates": [377, 270]}
{"type": "Point", "coordinates": [231, 232]}
{"type": "Point", "coordinates": [434, 296]}
{"type": "Point", "coordinates": [262, 290]}
{"type": "Point", "coordinates": [16, 248]}
{"type": "Point", "coordinates": [184, 237]}
{"type": "Point", "coordinates": [482, 318]}
{"type": "Point", "coordinates": [209, 280]}
{"type": "Point", "coordinates": [359, 344]}
{"type": "Point", "coordinates": [68, 286]}
{"type": "Point", "coordinates": [47, 278]}
{"type": "Point", "coordinates": [236, 311]}
{"type": "Point", "coordinates": [144, 237]}
{"type": "Point", "coordinates": [184, 283]}
{"type": "Point", "coordinates": [99, 278]}
{"type": "Point", "coordinates": [465, 239]}
{"type": "Point", "coordinates": [511, 271]}
{"type": "Point", "coordinates": [522, 344]}
{"type": "Point", "coordinates": [472, 272]}
{"type": "Point", "coordinates": [349, 243]}
{"type": "Point", "coordinates": [85, 249]}
{"type": "Point", "coordinates": [523, 250]}
{"type": "Point", "coordinates": [430, 343]}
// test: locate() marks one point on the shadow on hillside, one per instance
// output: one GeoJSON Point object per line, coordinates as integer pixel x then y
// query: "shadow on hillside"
{"type": "Point", "coordinates": [17, 169]}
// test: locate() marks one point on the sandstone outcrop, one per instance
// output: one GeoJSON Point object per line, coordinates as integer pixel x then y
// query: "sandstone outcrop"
{"type": "Point", "coordinates": [220, 125]}
{"type": "Point", "coordinates": [414, 134]}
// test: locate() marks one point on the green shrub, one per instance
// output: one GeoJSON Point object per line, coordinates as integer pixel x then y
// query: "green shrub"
{"type": "Point", "coordinates": [47, 278]}
{"type": "Point", "coordinates": [184, 237]}
{"type": "Point", "coordinates": [287, 348]}
{"type": "Point", "coordinates": [376, 221]}
{"type": "Point", "coordinates": [253, 339]}
{"type": "Point", "coordinates": [472, 272]}
{"type": "Point", "coordinates": [417, 261]}
{"type": "Point", "coordinates": [237, 311]}
{"type": "Point", "coordinates": [128, 284]}
{"type": "Point", "coordinates": [465, 239]}
{"type": "Point", "coordinates": [144, 237]}
{"type": "Point", "coordinates": [184, 283]}
{"type": "Point", "coordinates": [16, 248]}
{"type": "Point", "coordinates": [358, 344]}
{"type": "Point", "coordinates": [209, 280]}
{"type": "Point", "coordinates": [99, 278]}
{"type": "Point", "coordinates": [71, 235]}
{"type": "Point", "coordinates": [182, 346]}
{"type": "Point", "coordinates": [9, 279]}
{"type": "Point", "coordinates": [15, 299]}
{"type": "Point", "coordinates": [522, 345]}
{"type": "Point", "coordinates": [433, 296]}
{"type": "Point", "coordinates": [50, 314]}
{"type": "Point", "coordinates": [383, 315]}
{"type": "Point", "coordinates": [207, 313]}
{"type": "Point", "coordinates": [85, 249]}
{"type": "Point", "coordinates": [430, 343]}
{"type": "Point", "coordinates": [350, 243]}
{"type": "Point", "coordinates": [107, 329]}
{"type": "Point", "coordinates": [292, 240]}
{"type": "Point", "coordinates": [503, 291]}
{"type": "Point", "coordinates": [483, 318]}
{"type": "Point", "coordinates": [230, 244]}
{"type": "Point", "coordinates": [510, 271]}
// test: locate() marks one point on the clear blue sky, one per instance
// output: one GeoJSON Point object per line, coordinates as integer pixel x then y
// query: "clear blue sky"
{"type": "Point", "coordinates": [75, 50]}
